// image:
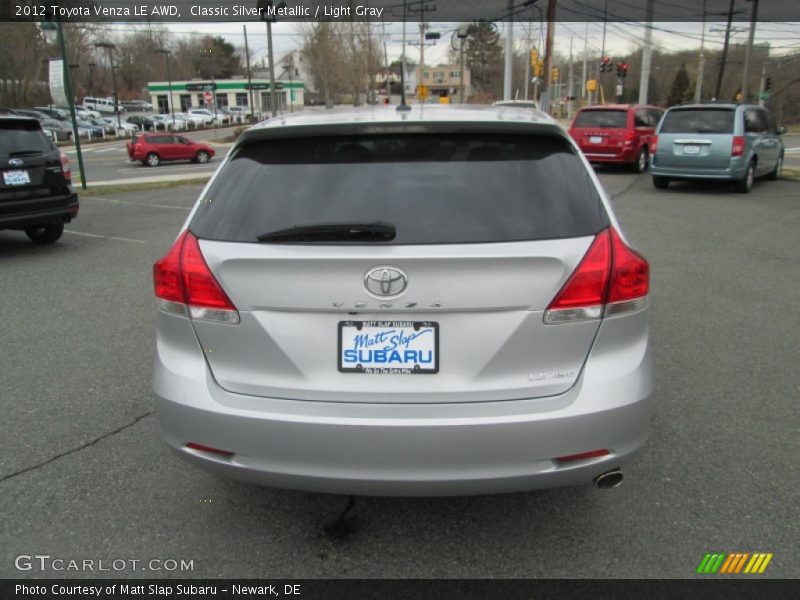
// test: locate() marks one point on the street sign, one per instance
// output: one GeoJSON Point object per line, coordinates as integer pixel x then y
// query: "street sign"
{"type": "Point", "coordinates": [262, 86]}
{"type": "Point", "coordinates": [764, 96]}
{"type": "Point", "coordinates": [200, 87]}
{"type": "Point", "coordinates": [422, 92]}
{"type": "Point", "coordinates": [591, 85]}
{"type": "Point", "coordinates": [208, 98]}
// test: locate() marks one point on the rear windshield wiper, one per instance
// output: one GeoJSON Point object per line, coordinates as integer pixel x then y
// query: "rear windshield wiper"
{"type": "Point", "coordinates": [377, 231]}
{"type": "Point", "coordinates": [24, 152]}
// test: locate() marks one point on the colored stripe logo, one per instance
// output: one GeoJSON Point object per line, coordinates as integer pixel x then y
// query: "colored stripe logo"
{"type": "Point", "coordinates": [735, 563]}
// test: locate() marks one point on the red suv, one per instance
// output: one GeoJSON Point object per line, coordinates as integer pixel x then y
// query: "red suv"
{"type": "Point", "coordinates": [616, 133]}
{"type": "Point", "coordinates": [152, 148]}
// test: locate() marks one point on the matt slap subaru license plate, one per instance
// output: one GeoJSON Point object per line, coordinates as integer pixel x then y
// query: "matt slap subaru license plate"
{"type": "Point", "coordinates": [16, 177]}
{"type": "Point", "coordinates": [389, 347]}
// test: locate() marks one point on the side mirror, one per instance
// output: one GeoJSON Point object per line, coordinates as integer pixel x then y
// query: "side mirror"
{"type": "Point", "coordinates": [782, 129]}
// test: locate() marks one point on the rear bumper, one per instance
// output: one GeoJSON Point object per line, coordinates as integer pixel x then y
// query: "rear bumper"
{"type": "Point", "coordinates": [735, 170]}
{"type": "Point", "coordinates": [625, 156]}
{"type": "Point", "coordinates": [19, 214]}
{"type": "Point", "coordinates": [405, 449]}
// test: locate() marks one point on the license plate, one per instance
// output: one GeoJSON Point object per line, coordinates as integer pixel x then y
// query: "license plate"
{"type": "Point", "coordinates": [16, 177]}
{"type": "Point", "coordinates": [595, 139]}
{"type": "Point", "coordinates": [691, 149]}
{"type": "Point", "coordinates": [389, 347]}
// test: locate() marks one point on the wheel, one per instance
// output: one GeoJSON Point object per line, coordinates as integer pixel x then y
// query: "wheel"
{"type": "Point", "coordinates": [640, 166]}
{"type": "Point", "coordinates": [776, 174]}
{"type": "Point", "coordinates": [745, 184]}
{"type": "Point", "coordinates": [661, 183]}
{"type": "Point", "coordinates": [45, 234]}
{"type": "Point", "coordinates": [202, 157]}
{"type": "Point", "coordinates": [152, 160]}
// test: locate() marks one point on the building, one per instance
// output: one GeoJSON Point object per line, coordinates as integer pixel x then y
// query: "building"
{"type": "Point", "coordinates": [444, 81]}
{"type": "Point", "coordinates": [289, 95]}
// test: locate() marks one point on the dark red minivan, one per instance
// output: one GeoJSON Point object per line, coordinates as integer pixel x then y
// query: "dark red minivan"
{"type": "Point", "coordinates": [619, 134]}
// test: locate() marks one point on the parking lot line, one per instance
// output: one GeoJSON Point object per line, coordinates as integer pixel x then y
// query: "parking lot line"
{"type": "Point", "coordinates": [105, 237]}
{"type": "Point", "coordinates": [145, 204]}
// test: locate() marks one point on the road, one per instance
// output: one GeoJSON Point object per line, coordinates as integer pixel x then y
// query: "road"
{"type": "Point", "coordinates": [84, 474]}
{"type": "Point", "coordinates": [108, 161]}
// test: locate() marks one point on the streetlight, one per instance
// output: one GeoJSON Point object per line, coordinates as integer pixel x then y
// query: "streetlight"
{"type": "Point", "coordinates": [265, 6]}
{"type": "Point", "coordinates": [110, 47]}
{"type": "Point", "coordinates": [170, 103]}
{"type": "Point", "coordinates": [53, 30]}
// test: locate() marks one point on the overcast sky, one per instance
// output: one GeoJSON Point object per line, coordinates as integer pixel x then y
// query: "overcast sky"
{"type": "Point", "coordinates": [621, 38]}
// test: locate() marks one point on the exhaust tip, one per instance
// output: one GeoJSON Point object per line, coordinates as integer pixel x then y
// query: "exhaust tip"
{"type": "Point", "coordinates": [608, 480]}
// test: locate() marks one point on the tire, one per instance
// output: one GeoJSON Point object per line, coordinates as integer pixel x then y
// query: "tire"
{"type": "Point", "coordinates": [202, 157]}
{"type": "Point", "coordinates": [152, 160]}
{"type": "Point", "coordinates": [642, 161]}
{"type": "Point", "coordinates": [46, 233]}
{"type": "Point", "coordinates": [776, 174]}
{"type": "Point", "coordinates": [745, 184]}
{"type": "Point", "coordinates": [660, 183]}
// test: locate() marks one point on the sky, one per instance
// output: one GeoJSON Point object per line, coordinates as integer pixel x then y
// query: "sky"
{"type": "Point", "coordinates": [621, 38]}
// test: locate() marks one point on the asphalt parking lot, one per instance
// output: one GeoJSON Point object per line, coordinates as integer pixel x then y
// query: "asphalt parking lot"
{"type": "Point", "coordinates": [84, 474]}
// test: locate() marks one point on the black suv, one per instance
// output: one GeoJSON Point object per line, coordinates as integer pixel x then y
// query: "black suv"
{"type": "Point", "coordinates": [36, 192]}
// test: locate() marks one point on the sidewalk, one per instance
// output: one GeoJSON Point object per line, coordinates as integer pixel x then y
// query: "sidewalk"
{"type": "Point", "coordinates": [151, 179]}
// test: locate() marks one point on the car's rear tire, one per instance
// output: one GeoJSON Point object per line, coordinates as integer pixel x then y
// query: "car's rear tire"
{"type": "Point", "coordinates": [745, 184]}
{"type": "Point", "coordinates": [776, 174]}
{"type": "Point", "coordinates": [660, 183]}
{"type": "Point", "coordinates": [46, 233]}
{"type": "Point", "coordinates": [642, 160]}
{"type": "Point", "coordinates": [152, 160]}
{"type": "Point", "coordinates": [202, 157]}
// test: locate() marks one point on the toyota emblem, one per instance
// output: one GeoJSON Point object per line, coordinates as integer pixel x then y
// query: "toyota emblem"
{"type": "Point", "coordinates": [385, 281]}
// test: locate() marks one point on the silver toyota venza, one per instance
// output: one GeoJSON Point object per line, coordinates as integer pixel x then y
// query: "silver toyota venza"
{"type": "Point", "coordinates": [432, 301]}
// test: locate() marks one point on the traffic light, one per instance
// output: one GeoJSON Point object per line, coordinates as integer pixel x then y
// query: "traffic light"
{"type": "Point", "coordinates": [534, 57]}
{"type": "Point", "coordinates": [622, 70]}
{"type": "Point", "coordinates": [767, 83]}
{"type": "Point", "coordinates": [266, 10]}
{"type": "Point", "coordinates": [538, 68]}
{"type": "Point", "coordinates": [605, 64]}
{"type": "Point", "coordinates": [554, 74]}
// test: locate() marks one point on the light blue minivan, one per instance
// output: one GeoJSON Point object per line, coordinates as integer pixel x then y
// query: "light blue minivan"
{"type": "Point", "coordinates": [729, 142]}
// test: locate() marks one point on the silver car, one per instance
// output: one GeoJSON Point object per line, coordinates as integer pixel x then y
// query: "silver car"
{"type": "Point", "coordinates": [436, 301]}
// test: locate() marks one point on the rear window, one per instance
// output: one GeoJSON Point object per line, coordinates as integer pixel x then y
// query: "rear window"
{"type": "Point", "coordinates": [608, 119]}
{"type": "Point", "coordinates": [450, 188]}
{"type": "Point", "coordinates": [703, 120]}
{"type": "Point", "coordinates": [22, 137]}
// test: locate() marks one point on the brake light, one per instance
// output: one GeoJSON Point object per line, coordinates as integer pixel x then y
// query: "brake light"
{"type": "Point", "coordinates": [610, 279]}
{"type": "Point", "coordinates": [629, 136]}
{"type": "Point", "coordinates": [653, 144]}
{"type": "Point", "coordinates": [185, 285]}
{"type": "Point", "coordinates": [66, 170]}
{"type": "Point", "coordinates": [738, 145]}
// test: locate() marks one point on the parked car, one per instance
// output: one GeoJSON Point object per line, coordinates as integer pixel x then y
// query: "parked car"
{"type": "Point", "coordinates": [36, 192]}
{"type": "Point", "coordinates": [187, 122]}
{"type": "Point", "coordinates": [106, 127]}
{"type": "Point", "coordinates": [237, 114]}
{"type": "Point", "coordinates": [54, 113]}
{"type": "Point", "coordinates": [617, 134]}
{"type": "Point", "coordinates": [89, 129]}
{"type": "Point", "coordinates": [136, 105]}
{"type": "Point", "coordinates": [144, 123]}
{"type": "Point", "coordinates": [207, 115]}
{"type": "Point", "coordinates": [165, 122]}
{"type": "Point", "coordinates": [35, 114]}
{"type": "Point", "coordinates": [7, 111]}
{"type": "Point", "coordinates": [152, 149]}
{"type": "Point", "coordinates": [727, 142]}
{"type": "Point", "coordinates": [123, 126]}
{"type": "Point", "coordinates": [199, 120]}
{"type": "Point", "coordinates": [84, 113]}
{"type": "Point", "coordinates": [453, 334]}
{"type": "Point", "coordinates": [102, 105]}
{"type": "Point", "coordinates": [60, 130]}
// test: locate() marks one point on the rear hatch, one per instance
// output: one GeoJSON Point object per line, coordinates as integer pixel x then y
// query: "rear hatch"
{"type": "Point", "coordinates": [696, 138]}
{"type": "Point", "coordinates": [463, 237]}
{"type": "Point", "coordinates": [600, 131]}
{"type": "Point", "coordinates": [29, 162]}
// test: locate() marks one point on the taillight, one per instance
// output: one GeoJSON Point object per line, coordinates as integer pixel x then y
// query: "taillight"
{"type": "Point", "coordinates": [185, 285]}
{"type": "Point", "coordinates": [737, 149]}
{"type": "Point", "coordinates": [653, 144]}
{"type": "Point", "coordinates": [610, 279]}
{"type": "Point", "coordinates": [66, 171]}
{"type": "Point", "coordinates": [629, 137]}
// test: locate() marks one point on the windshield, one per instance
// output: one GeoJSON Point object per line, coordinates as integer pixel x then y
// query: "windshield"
{"type": "Point", "coordinates": [604, 119]}
{"type": "Point", "coordinates": [448, 188]}
{"type": "Point", "coordinates": [698, 120]}
{"type": "Point", "coordinates": [22, 136]}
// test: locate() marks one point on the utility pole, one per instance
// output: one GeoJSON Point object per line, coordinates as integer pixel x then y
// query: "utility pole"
{"type": "Point", "coordinates": [749, 50]}
{"type": "Point", "coordinates": [420, 9]}
{"type": "Point", "coordinates": [570, 86]}
{"type": "Point", "coordinates": [271, 70]}
{"type": "Point", "coordinates": [110, 47]}
{"type": "Point", "coordinates": [721, 73]}
{"type": "Point", "coordinates": [762, 88]}
{"type": "Point", "coordinates": [584, 73]}
{"type": "Point", "coordinates": [462, 32]}
{"type": "Point", "coordinates": [249, 76]}
{"type": "Point", "coordinates": [647, 55]}
{"type": "Point", "coordinates": [698, 88]}
{"type": "Point", "coordinates": [548, 56]}
{"type": "Point", "coordinates": [403, 106]}
{"type": "Point", "coordinates": [509, 58]}
{"type": "Point", "coordinates": [528, 62]}
{"type": "Point", "coordinates": [166, 52]}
